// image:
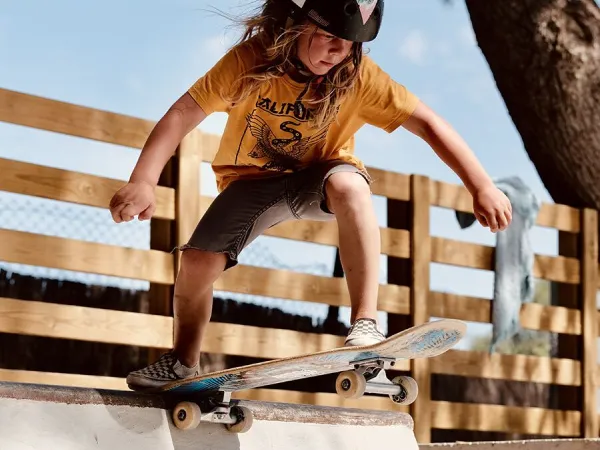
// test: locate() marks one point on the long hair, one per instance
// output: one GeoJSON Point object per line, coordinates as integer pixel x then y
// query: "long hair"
{"type": "Point", "coordinates": [278, 44]}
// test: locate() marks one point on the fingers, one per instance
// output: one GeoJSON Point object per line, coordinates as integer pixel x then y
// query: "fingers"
{"type": "Point", "coordinates": [481, 219]}
{"type": "Point", "coordinates": [505, 217]}
{"type": "Point", "coordinates": [129, 212]}
{"type": "Point", "coordinates": [496, 221]}
{"type": "Point", "coordinates": [493, 209]}
{"type": "Point", "coordinates": [502, 221]}
{"type": "Point", "coordinates": [147, 213]}
{"type": "Point", "coordinates": [124, 212]}
{"type": "Point", "coordinates": [134, 199]}
{"type": "Point", "coordinates": [493, 222]}
{"type": "Point", "coordinates": [115, 211]}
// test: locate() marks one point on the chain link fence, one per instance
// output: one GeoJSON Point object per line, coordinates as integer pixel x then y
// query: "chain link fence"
{"type": "Point", "coordinates": [79, 222]}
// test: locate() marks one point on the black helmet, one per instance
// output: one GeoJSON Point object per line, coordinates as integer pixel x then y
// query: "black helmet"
{"type": "Point", "coordinates": [353, 20]}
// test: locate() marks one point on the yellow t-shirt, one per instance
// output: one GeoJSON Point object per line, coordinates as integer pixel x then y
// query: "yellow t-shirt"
{"type": "Point", "coordinates": [267, 134]}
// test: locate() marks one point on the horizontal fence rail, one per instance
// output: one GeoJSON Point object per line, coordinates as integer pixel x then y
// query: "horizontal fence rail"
{"type": "Point", "coordinates": [180, 205]}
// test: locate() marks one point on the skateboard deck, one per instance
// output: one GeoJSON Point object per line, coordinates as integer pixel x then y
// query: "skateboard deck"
{"type": "Point", "coordinates": [422, 341]}
{"type": "Point", "coordinates": [354, 365]}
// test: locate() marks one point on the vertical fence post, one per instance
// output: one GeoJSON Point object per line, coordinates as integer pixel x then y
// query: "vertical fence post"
{"type": "Point", "coordinates": [567, 295]}
{"type": "Point", "coordinates": [398, 269]}
{"type": "Point", "coordinates": [420, 250]}
{"type": "Point", "coordinates": [589, 288]}
{"type": "Point", "coordinates": [187, 196]}
{"type": "Point", "coordinates": [163, 238]}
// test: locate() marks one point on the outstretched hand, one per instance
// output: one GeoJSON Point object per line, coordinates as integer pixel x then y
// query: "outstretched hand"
{"type": "Point", "coordinates": [492, 208]}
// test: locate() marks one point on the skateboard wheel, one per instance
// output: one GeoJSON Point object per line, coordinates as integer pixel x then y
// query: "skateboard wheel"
{"type": "Point", "coordinates": [244, 417]}
{"type": "Point", "coordinates": [409, 390]}
{"type": "Point", "coordinates": [186, 415]}
{"type": "Point", "coordinates": [351, 385]}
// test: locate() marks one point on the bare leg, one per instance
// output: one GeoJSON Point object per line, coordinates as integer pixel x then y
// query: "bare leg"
{"type": "Point", "coordinates": [349, 198]}
{"type": "Point", "coordinates": [193, 301]}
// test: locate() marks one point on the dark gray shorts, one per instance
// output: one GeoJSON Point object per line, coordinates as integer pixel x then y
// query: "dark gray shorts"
{"type": "Point", "coordinates": [246, 208]}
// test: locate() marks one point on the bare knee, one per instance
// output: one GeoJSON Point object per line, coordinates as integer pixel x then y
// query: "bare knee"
{"type": "Point", "coordinates": [201, 265]}
{"type": "Point", "coordinates": [347, 190]}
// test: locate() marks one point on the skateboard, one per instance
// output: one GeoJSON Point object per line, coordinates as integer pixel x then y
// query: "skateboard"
{"type": "Point", "coordinates": [361, 370]}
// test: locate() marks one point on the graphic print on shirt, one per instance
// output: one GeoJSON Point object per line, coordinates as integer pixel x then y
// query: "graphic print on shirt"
{"type": "Point", "coordinates": [284, 145]}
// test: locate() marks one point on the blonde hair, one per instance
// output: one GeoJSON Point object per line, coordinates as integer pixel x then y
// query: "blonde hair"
{"type": "Point", "coordinates": [278, 46]}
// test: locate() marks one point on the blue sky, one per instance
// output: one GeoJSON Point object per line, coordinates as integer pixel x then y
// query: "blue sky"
{"type": "Point", "coordinates": [137, 57]}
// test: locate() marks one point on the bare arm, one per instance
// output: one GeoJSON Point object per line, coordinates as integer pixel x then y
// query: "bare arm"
{"type": "Point", "coordinates": [491, 207]}
{"type": "Point", "coordinates": [181, 118]}
{"type": "Point", "coordinates": [449, 146]}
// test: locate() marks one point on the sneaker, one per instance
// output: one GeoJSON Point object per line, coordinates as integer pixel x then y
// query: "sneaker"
{"type": "Point", "coordinates": [364, 332]}
{"type": "Point", "coordinates": [166, 370]}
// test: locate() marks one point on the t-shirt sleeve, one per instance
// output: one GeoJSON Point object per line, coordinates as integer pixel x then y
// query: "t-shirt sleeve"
{"type": "Point", "coordinates": [384, 102]}
{"type": "Point", "coordinates": [209, 90]}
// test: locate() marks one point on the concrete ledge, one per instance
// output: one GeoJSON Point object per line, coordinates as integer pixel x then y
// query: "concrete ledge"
{"type": "Point", "coordinates": [281, 412]}
{"type": "Point", "coordinates": [545, 444]}
{"type": "Point", "coordinates": [35, 416]}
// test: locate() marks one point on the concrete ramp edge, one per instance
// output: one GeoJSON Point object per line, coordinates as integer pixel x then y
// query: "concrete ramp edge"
{"type": "Point", "coordinates": [542, 444]}
{"type": "Point", "coordinates": [51, 417]}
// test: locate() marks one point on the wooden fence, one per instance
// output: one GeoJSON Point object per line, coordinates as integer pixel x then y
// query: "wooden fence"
{"type": "Point", "coordinates": [178, 209]}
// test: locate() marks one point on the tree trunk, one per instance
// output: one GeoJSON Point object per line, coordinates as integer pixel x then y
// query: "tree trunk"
{"type": "Point", "coordinates": [545, 59]}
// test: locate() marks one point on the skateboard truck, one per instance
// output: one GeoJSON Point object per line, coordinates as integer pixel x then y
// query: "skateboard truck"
{"type": "Point", "coordinates": [353, 384]}
{"type": "Point", "coordinates": [237, 419]}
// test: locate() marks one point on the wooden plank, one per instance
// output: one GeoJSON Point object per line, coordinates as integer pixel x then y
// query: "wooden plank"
{"type": "Point", "coordinates": [461, 307]}
{"type": "Point", "coordinates": [389, 184]}
{"type": "Point", "coordinates": [536, 421]}
{"type": "Point", "coordinates": [466, 254]}
{"type": "Point", "coordinates": [533, 316]}
{"type": "Point", "coordinates": [393, 242]}
{"type": "Point", "coordinates": [188, 187]}
{"type": "Point", "coordinates": [64, 185]}
{"type": "Point", "coordinates": [89, 257]}
{"type": "Point", "coordinates": [305, 287]}
{"type": "Point", "coordinates": [566, 372]}
{"type": "Point", "coordinates": [558, 268]}
{"type": "Point", "coordinates": [557, 319]}
{"type": "Point", "coordinates": [560, 217]}
{"type": "Point", "coordinates": [74, 120]}
{"type": "Point", "coordinates": [63, 379]}
{"type": "Point", "coordinates": [84, 324]}
{"type": "Point", "coordinates": [145, 330]}
{"type": "Point", "coordinates": [419, 300]}
{"type": "Point", "coordinates": [210, 145]}
{"type": "Point", "coordinates": [265, 343]}
{"type": "Point", "coordinates": [589, 291]}
{"type": "Point", "coordinates": [454, 196]}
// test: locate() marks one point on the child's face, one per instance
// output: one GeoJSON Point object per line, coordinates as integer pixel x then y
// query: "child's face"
{"type": "Point", "coordinates": [324, 52]}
